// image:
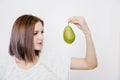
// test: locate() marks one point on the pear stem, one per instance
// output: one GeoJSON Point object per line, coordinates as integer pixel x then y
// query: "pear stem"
{"type": "Point", "coordinates": [68, 23]}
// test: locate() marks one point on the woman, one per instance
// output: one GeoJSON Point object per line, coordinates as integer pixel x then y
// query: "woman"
{"type": "Point", "coordinates": [25, 48]}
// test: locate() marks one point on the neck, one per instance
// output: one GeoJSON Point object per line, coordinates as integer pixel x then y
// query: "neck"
{"type": "Point", "coordinates": [26, 64]}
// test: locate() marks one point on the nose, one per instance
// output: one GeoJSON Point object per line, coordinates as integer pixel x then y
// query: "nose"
{"type": "Point", "coordinates": [40, 36]}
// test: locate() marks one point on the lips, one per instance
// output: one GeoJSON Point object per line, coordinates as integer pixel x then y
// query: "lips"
{"type": "Point", "coordinates": [40, 43]}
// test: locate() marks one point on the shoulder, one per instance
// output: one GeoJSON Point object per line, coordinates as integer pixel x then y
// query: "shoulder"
{"type": "Point", "coordinates": [5, 65]}
{"type": "Point", "coordinates": [9, 67]}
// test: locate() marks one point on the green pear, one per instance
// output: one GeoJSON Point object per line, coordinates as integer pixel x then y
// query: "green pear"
{"type": "Point", "coordinates": [68, 35]}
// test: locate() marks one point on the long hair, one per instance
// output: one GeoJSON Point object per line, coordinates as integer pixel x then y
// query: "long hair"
{"type": "Point", "coordinates": [21, 42]}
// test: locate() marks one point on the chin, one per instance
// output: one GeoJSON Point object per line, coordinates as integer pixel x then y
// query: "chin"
{"type": "Point", "coordinates": [38, 48]}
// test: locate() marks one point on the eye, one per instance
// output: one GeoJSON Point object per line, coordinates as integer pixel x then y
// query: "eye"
{"type": "Point", "coordinates": [35, 33]}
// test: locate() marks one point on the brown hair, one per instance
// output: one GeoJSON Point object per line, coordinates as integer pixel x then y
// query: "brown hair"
{"type": "Point", "coordinates": [21, 42]}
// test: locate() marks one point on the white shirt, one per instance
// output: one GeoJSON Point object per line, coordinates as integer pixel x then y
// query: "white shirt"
{"type": "Point", "coordinates": [49, 67]}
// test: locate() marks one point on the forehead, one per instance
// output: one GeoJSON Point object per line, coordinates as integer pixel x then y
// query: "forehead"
{"type": "Point", "coordinates": [38, 26]}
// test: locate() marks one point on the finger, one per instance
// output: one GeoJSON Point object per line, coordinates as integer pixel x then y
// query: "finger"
{"type": "Point", "coordinates": [75, 22]}
{"type": "Point", "coordinates": [72, 19]}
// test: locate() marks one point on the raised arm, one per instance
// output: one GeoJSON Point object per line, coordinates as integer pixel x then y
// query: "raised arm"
{"type": "Point", "coordinates": [90, 61]}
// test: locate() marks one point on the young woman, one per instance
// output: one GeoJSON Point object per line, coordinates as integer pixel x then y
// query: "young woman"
{"type": "Point", "coordinates": [25, 48]}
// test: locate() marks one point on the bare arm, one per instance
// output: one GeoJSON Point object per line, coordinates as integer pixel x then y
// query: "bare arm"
{"type": "Point", "coordinates": [90, 61]}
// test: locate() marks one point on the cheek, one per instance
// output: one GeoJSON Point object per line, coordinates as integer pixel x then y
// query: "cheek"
{"type": "Point", "coordinates": [34, 40]}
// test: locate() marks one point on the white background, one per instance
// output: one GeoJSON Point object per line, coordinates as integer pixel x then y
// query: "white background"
{"type": "Point", "coordinates": [103, 18]}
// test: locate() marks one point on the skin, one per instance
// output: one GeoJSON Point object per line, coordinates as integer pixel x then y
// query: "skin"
{"type": "Point", "coordinates": [89, 62]}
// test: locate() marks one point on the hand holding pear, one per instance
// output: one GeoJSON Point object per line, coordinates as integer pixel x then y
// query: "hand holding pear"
{"type": "Point", "coordinates": [79, 21]}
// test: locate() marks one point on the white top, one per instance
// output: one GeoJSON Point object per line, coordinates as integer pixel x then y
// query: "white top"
{"type": "Point", "coordinates": [49, 67]}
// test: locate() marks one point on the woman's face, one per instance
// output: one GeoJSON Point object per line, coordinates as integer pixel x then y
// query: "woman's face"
{"type": "Point", "coordinates": [38, 36]}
